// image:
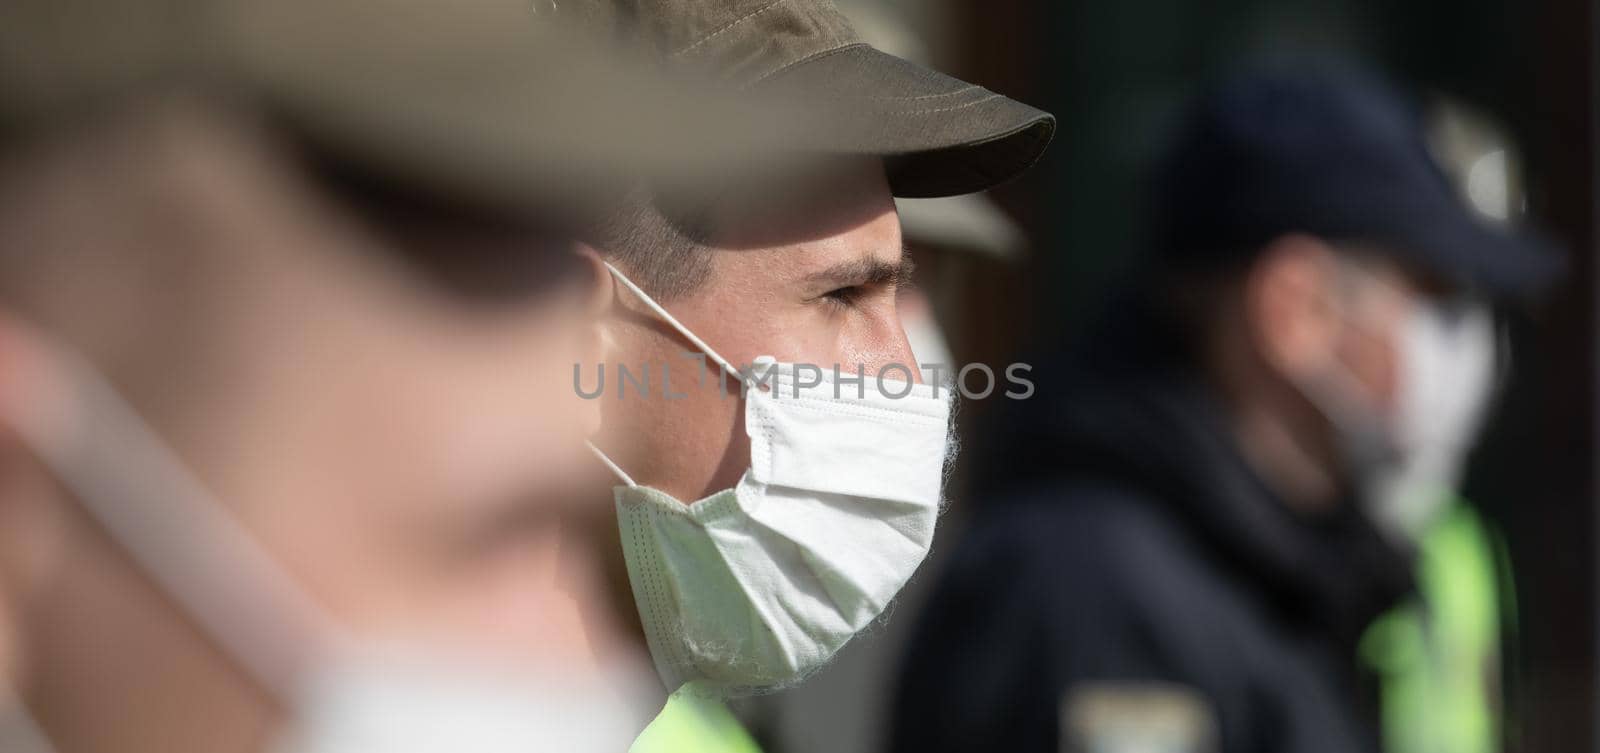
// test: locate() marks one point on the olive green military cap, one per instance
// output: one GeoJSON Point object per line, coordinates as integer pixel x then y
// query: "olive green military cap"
{"type": "Point", "coordinates": [940, 136]}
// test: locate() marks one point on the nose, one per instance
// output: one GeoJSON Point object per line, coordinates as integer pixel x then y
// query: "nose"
{"type": "Point", "coordinates": [884, 350]}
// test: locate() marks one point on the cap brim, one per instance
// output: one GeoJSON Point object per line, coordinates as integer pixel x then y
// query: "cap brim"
{"type": "Point", "coordinates": [1495, 260]}
{"type": "Point", "coordinates": [939, 136]}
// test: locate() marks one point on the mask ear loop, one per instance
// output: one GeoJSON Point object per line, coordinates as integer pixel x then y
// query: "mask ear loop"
{"type": "Point", "coordinates": [615, 469]}
{"type": "Point", "coordinates": [19, 732]}
{"type": "Point", "coordinates": [677, 325]}
{"type": "Point", "coordinates": [667, 317]}
{"type": "Point", "coordinates": [137, 489]}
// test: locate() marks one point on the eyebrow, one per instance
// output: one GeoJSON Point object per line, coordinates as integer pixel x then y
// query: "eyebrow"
{"type": "Point", "coordinates": [865, 271]}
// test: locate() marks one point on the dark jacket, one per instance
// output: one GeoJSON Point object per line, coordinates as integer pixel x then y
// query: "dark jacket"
{"type": "Point", "coordinates": [1123, 539]}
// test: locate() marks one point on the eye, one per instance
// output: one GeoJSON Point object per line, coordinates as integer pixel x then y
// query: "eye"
{"type": "Point", "coordinates": [846, 296]}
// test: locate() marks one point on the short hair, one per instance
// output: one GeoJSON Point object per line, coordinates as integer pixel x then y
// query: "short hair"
{"type": "Point", "coordinates": [664, 248]}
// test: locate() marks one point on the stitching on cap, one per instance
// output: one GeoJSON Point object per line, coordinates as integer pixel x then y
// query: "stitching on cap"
{"type": "Point", "coordinates": [992, 96]}
{"type": "Point", "coordinates": [727, 26]}
{"type": "Point", "coordinates": [807, 59]}
{"type": "Point", "coordinates": [886, 98]}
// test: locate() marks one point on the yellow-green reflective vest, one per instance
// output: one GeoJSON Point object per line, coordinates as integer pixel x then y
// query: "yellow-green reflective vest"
{"type": "Point", "coordinates": [694, 723]}
{"type": "Point", "coordinates": [1438, 656]}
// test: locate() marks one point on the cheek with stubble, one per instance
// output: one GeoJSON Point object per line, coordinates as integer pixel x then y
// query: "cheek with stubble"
{"type": "Point", "coordinates": [675, 422]}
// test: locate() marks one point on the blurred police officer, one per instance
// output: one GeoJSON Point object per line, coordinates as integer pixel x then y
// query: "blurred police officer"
{"type": "Point", "coordinates": [1185, 536]}
{"type": "Point", "coordinates": [288, 299]}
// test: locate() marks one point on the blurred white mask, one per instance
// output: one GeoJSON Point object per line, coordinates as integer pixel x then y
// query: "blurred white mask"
{"type": "Point", "coordinates": [344, 694]}
{"type": "Point", "coordinates": [1447, 376]}
{"type": "Point", "coordinates": [1408, 461]}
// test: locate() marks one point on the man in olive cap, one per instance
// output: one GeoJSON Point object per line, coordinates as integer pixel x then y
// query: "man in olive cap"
{"type": "Point", "coordinates": [287, 293]}
{"type": "Point", "coordinates": [757, 542]}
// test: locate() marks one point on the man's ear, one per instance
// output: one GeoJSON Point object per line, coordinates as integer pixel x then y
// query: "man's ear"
{"type": "Point", "coordinates": [602, 288]}
{"type": "Point", "coordinates": [599, 301]}
{"type": "Point", "coordinates": [1290, 309]}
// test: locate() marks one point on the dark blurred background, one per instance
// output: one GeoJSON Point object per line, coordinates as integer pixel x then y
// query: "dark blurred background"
{"type": "Point", "coordinates": [1115, 74]}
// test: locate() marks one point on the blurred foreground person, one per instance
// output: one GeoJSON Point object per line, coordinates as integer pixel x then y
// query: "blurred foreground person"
{"type": "Point", "coordinates": [772, 508]}
{"type": "Point", "coordinates": [1186, 537]}
{"type": "Point", "coordinates": [288, 297]}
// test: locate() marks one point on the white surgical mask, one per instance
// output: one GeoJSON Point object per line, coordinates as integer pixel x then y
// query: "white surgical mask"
{"type": "Point", "coordinates": [1407, 462]}
{"type": "Point", "coordinates": [756, 586]}
{"type": "Point", "coordinates": [343, 694]}
{"type": "Point", "coordinates": [1448, 370]}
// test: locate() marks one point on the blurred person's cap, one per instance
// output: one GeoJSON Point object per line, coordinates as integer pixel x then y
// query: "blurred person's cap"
{"type": "Point", "coordinates": [968, 223]}
{"type": "Point", "coordinates": [940, 136]}
{"type": "Point", "coordinates": [1335, 153]}
{"type": "Point", "coordinates": [487, 100]}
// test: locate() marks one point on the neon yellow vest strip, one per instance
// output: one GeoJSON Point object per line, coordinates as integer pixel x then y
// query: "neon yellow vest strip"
{"type": "Point", "coordinates": [1438, 656]}
{"type": "Point", "coordinates": [694, 723]}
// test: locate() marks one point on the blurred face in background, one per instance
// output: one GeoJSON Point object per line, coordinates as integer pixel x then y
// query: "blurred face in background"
{"type": "Point", "coordinates": [403, 449]}
{"type": "Point", "coordinates": [1376, 366]}
{"type": "Point", "coordinates": [1327, 316]}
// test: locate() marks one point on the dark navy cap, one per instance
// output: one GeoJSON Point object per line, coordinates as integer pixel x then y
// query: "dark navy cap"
{"type": "Point", "coordinates": [1335, 153]}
